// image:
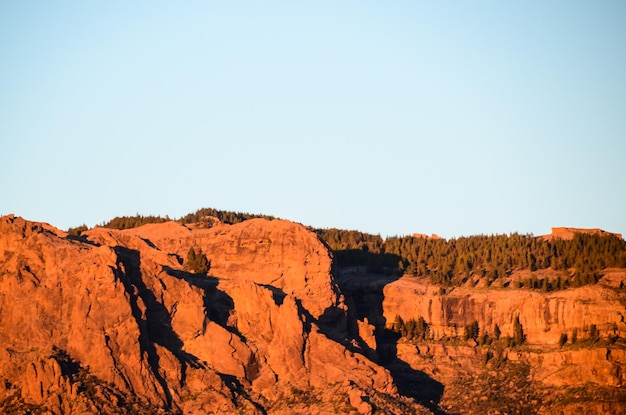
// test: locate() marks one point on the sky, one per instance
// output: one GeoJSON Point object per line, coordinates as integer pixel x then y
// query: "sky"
{"type": "Point", "coordinates": [450, 117]}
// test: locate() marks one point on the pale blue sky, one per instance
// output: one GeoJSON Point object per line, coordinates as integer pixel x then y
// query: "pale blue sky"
{"type": "Point", "coordinates": [396, 117]}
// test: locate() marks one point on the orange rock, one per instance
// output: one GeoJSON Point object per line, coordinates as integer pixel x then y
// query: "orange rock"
{"type": "Point", "coordinates": [112, 320]}
{"type": "Point", "coordinates": [568, 233]}
{"type": "Point", "coordinates": [544, 316]}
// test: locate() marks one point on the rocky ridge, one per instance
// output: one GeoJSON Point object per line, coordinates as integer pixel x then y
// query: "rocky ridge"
{"type": "Point", "coordinates": [112, 322]}
{"type": "Point", "coordinates": [116, 322]}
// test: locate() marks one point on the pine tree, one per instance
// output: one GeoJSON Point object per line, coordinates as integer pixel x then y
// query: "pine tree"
{"type": "Point", "coordinates": [398, 324]}
{"type": "Point", "coordinates": [497, 332]}
{"type": "Point", "coordinates": [472, 331]}
{"type": "Point", "coordinates": [191, 256]}
{"type": "Point", "coordinates": [518, 332]}
{"type": "Point", "coordinates": [422, 328]}
{"type": "Point", "coordinates": [594, 333]}
{"type": "Point", "coordinates": [197, 262]}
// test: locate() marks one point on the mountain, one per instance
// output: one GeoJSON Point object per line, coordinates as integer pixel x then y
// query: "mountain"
{"type": "Point", "coordinates": [112, 322]}
{"type": "Point", "coordinates": [125, 321]}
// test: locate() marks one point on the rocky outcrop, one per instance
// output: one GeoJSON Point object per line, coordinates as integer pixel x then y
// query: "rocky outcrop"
{"type": "Point", "coordinates": [115, 322]}
{"type": "Point", "coordinates": [277, 253]}
{"type": "Point", "coordinates": [544, 316]}
{"type": "Point", "coordinates": [546, 373]}
{"type": "Point", "coordinates": [424, 236]}
{"type": "Point", "coordinates": [111, 322]}
{"type": "Point", "coordinates": [568, 233]}
{"type": "Point", "coordinates": [527, 380]}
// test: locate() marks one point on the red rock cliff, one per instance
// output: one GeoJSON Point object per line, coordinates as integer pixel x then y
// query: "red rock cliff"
{"type": "Point", "coordinates": [112, 323]}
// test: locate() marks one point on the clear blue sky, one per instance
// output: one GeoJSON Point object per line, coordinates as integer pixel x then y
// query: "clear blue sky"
{"type": "Point", "coordinates": [396, 117]}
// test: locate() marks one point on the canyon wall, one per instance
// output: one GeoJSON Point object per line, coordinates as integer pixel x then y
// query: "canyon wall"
{"type": "Point", "coordinates": [544, 316]}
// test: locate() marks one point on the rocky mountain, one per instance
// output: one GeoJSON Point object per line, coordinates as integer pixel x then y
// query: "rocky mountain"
{"type": "Point", "coordinates": [119, 321]}
{"type": "Point", "coordinates": [113, 322]}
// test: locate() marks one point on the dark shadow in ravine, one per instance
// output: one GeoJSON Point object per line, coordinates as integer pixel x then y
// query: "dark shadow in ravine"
{"type": "Point", "coordinates": [217, 304]}
{"type": "Point", "coordinates": [236, 388]}
{"type": "Point", "coordinates": [81, 238]}
{"type": "Point", "coordinates": [363, 287]}
{"type": "Point", "coordinates": [156, 327]}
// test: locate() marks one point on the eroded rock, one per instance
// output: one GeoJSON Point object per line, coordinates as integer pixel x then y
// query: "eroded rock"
{"type": "Point", "coordinates": [113, 322]}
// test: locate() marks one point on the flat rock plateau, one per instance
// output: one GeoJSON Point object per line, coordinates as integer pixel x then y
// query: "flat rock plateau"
{"type": "Point", "coordinates": [116, 322]}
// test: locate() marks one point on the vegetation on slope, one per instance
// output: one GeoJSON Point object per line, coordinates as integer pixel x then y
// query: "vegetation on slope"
{"type": "Point", "coordinates": [452, 262]}
{"type": "Point", "coordinates": [485, 380]}
{"type": "Point", "coordinates": [223, 215]}
{"type": "Point", "coordinates": [128, 222]}
{"type": "Point", "coordinates": [199, 216]}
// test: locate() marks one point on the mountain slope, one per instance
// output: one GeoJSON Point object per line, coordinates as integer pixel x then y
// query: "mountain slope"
{"type": "Point", "coordinates": [118, 321]}
{"type": "Point", "coordinates": [113, 322]}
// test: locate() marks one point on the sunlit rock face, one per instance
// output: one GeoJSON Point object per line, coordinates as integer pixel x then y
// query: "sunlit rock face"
{"type": "Point", "coordinates": [114, 322]}
{"type": "Point", "coordinates": [546, 374]}
{"type": "Point", "coordinates": [544, 316]}
{"type": "Point", "coordinates": [118, 322]}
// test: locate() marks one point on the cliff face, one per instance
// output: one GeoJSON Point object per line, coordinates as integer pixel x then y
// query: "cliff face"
{"type": "Point", "coordinates": [544, 316]}
{"type": "Point", "coordinates": [112, 323]}
{"type": "Point", "coordinates": [487, 373]}
{"type": "Point", "coordinates": [544, 374]}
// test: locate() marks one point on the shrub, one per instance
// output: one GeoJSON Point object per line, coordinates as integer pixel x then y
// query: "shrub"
{"type": "Point", "coordinates": [594, 333]}
{"type": "Point", "coordinates": [197, 262]}
{"type": "Point", "coordinates": [518, 332]}
{"type": "Point", "coordinates": [77, 230]}
{"type": "Point", "coordinates": [471, 331]}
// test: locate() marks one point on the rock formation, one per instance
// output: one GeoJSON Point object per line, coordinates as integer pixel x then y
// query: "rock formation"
{"type": "Point", "coordinates": [568, 233]}
{"type": "Point", "coordinates": [112, 322]}
{"type": "Point", "coordinates": [547, 374]}
{"type": "Point", "coordinates": [544, 316]}
{"type": "Point", "coordinates": [118, 322]}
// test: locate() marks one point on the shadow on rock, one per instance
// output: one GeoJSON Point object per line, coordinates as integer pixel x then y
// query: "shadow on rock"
{"type": "Point", "coordinates": [410, 382]}
{"type": "Point", "coordinates": [156, 327]}
{"type": "Point", "coordinates": [364, 295]}
{"type": "Point", "coordinates": [218, 305]}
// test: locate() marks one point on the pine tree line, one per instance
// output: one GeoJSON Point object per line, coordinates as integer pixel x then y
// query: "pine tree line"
{"type": "Point", "coordinates": [129, 222]}
{"type": "Point", "coordinates": [199, 216]}
{"type": "Point", "coordinates": [224, 216]}
{"type": "Point", "coordinates": [419, 330]}
{"type": "Point", "coordinates": [447, 262]}
{"type": "Point", "coordinates": [452, 262]}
